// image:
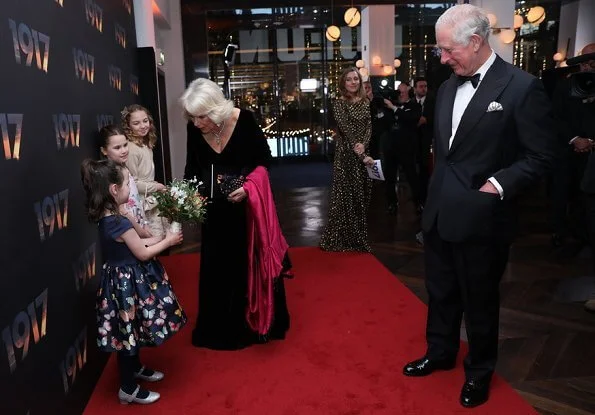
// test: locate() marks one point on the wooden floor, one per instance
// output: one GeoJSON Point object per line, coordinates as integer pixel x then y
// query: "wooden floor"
{"type": "Point", "coordinates": [547, 340]}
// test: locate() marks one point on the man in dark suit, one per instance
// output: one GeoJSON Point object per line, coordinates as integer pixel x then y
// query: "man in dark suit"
{"type": "Point", "coordinates": [574, 117]}
{"type": "Point", "coordinates": [494, 136]}
{"type": "Point", "coordinates": [577, 121]}
{"type": "Point", "coordinates": [381, 120]}
{"type": "Point", "coordinates": [425, 133]}
{"type": "Point", "coordinates": [400, 147]}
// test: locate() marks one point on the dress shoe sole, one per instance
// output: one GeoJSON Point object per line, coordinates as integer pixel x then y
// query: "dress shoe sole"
{"type": "Point", "coordinates": [444, 367]}
{"type": "Point", "coordinates": [474, 404]}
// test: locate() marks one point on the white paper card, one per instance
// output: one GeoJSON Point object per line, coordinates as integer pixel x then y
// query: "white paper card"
{"type": "Point", "coordinates": [375, 171]}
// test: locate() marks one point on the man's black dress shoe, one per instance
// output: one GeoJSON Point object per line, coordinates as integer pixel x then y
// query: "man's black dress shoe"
{"type": "Point", "coordinates": [425, 366]}
{"type": "Point", "coordinates": [474, 393]}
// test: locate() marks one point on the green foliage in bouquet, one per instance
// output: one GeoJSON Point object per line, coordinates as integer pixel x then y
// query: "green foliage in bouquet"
{"type": "Point", "coordinates": [181, 202]}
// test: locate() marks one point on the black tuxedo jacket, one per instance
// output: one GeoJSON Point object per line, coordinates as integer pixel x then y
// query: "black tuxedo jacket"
{"type": "Point", "coordinates": [515, 145]}
{"type": "Point", "coordinates": [404, 127]}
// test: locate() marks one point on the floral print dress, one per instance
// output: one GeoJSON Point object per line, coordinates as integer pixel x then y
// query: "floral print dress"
{"type": "Point", "coordinates": [136, 304]}
{"type": "Point", "coordinates": [134, 205]}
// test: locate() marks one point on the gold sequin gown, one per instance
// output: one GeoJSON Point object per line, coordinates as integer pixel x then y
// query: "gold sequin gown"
{"type": "Point", "coordinates": [347, 227]}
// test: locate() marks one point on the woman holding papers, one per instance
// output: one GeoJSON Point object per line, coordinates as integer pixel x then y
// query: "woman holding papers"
{"type": "Point", "coordinates": [347, 228]}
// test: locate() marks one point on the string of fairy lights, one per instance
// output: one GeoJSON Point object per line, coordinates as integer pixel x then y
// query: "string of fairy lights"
{"type": "Point", "coordinates": [310, 134]}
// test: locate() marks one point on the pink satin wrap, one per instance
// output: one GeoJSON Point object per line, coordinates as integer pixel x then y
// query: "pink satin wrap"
{"type": "Point", "coordinates": [266, 249]}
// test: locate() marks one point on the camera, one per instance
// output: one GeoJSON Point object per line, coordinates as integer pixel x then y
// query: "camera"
{"type": "Point", "coordinates": [386, 92]}
{"type": "Point", "coordinates": [582, 84]}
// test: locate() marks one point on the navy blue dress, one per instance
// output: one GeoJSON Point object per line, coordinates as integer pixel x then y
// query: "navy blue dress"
{"type": "Point", "coordinates": [136, 305]}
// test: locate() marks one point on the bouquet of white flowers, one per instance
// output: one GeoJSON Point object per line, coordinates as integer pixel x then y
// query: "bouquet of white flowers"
{"type": "Point", "coordinates": [182, 202]}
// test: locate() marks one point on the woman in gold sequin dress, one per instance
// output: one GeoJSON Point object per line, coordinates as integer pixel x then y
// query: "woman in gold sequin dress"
{"type": "Point", "coordinates": [347, 228]}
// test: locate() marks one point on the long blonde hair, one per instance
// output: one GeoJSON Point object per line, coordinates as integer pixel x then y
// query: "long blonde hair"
{"type": "Point", "coordinates": [151, 138]}
{"type": "Point", "coordinates": [361, 92]}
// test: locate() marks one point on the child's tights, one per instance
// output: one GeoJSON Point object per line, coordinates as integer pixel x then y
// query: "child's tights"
{"type": "Point", "coordinates": [128, 365]}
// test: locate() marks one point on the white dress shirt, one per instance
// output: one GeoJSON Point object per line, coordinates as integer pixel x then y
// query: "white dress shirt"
{"type": "Point", "coordinates": [464, 95]}
{"type": "Point", "coordinates": [421, 101]}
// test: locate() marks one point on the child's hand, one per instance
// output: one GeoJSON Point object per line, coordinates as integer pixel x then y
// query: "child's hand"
{"type": "Point", "coordinates": [174, 238]}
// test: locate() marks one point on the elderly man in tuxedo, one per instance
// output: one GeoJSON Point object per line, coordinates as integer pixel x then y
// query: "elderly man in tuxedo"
{"type": "Point", "coordinates": [494, 137]}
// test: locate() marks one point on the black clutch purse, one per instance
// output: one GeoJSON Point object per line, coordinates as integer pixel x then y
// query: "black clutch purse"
{"type": "Point", "coordinates": [229, 183]}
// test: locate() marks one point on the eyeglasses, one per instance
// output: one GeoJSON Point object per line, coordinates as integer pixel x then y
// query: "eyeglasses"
{"type": "Point", "coordinates": [440, 51]}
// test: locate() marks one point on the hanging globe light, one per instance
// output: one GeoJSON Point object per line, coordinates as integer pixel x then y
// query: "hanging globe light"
{"type": "Point", "coordinates": [387, 69]}
{"type": "Point", "coordinates": [536, 15]}
{"type": "Point", "coordinates": [397, 63]}
{"type": "Point", "coordinates": [360, 63]}
{"type": "Point", "coordinates": [364, 73]}
{"type": "Point", "coordinates": [352, 16]}
{"type": "Point", "coordinates": [518, 21]}
{"type": "Point", "coordinates": [333, 33]}
{"type": "Point", "coordinates": [507, 35]}
{"type": "Point", "coordinates": [540, 21]}
{"type": "Point", "coordinates": [558, 57]}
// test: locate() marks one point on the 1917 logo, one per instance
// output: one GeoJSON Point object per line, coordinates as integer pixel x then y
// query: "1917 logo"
{"type": "Point", "coordinates": [134, 84]}
{"type": "Point", "coordinates": [30, 43]}
{"type": "Point", "coordinates": [11, 151]}
{"type": "Point", "coordinates": [115, 77]}
{"type": "Point", "coordinates": [51, 215]}
{"type": "Point", "coordinates": [74, 361]}
{"type": "Point", "coordinates": [84, 267]}
{"type": "Point", "coordinates": [94, 15]}
{"type": "Point", "coordinates": [84, 65]}
{"type": "Point", "coordinates": [68, 130]}
{"type": "Point", "coordinates": [120, 35]}
{"type": "Point", "coordinates": [103, 120]}
{"type": "Point", "coordinates": [18, 334]}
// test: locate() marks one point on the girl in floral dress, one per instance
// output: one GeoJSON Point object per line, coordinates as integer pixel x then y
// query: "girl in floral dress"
{"type": "Point", "coordinates": [136, 305]}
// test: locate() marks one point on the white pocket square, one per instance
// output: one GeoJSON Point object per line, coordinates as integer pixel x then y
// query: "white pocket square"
{"type": "Point", "coordinates": [494, 106]}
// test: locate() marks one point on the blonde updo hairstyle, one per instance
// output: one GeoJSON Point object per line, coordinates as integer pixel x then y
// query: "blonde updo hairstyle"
{"type": "Point", "coordinates": [204, 97]}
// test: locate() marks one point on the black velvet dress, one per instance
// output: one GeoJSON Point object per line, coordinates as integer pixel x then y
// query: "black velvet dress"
{"type": "Point", "coordinates": [223, 287]}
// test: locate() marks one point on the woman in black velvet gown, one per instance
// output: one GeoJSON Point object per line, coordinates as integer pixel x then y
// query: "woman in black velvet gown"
{"type": "Point", "coordinates": [225, 142]}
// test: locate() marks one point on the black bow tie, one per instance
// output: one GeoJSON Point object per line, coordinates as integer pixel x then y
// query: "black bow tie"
{"type": "Point", "coordinates": [473, 79]}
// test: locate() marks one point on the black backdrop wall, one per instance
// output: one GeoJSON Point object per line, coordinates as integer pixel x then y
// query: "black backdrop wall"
{"type": "Point", "coordinates": [67, 67]}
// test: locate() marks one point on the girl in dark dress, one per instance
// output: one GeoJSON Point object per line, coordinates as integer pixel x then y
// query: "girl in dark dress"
{"type": "Point", "coordinates": [225, 144]}
{"type": "Point", "coordinates": [136, 305]}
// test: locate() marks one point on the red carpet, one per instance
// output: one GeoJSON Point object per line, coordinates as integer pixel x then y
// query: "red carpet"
{"type": "Point", "coordinates": [354, 326]}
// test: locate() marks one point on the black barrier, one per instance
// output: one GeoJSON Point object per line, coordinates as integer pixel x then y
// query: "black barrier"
{"type": "Point", "coordinates": [67, 68]}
